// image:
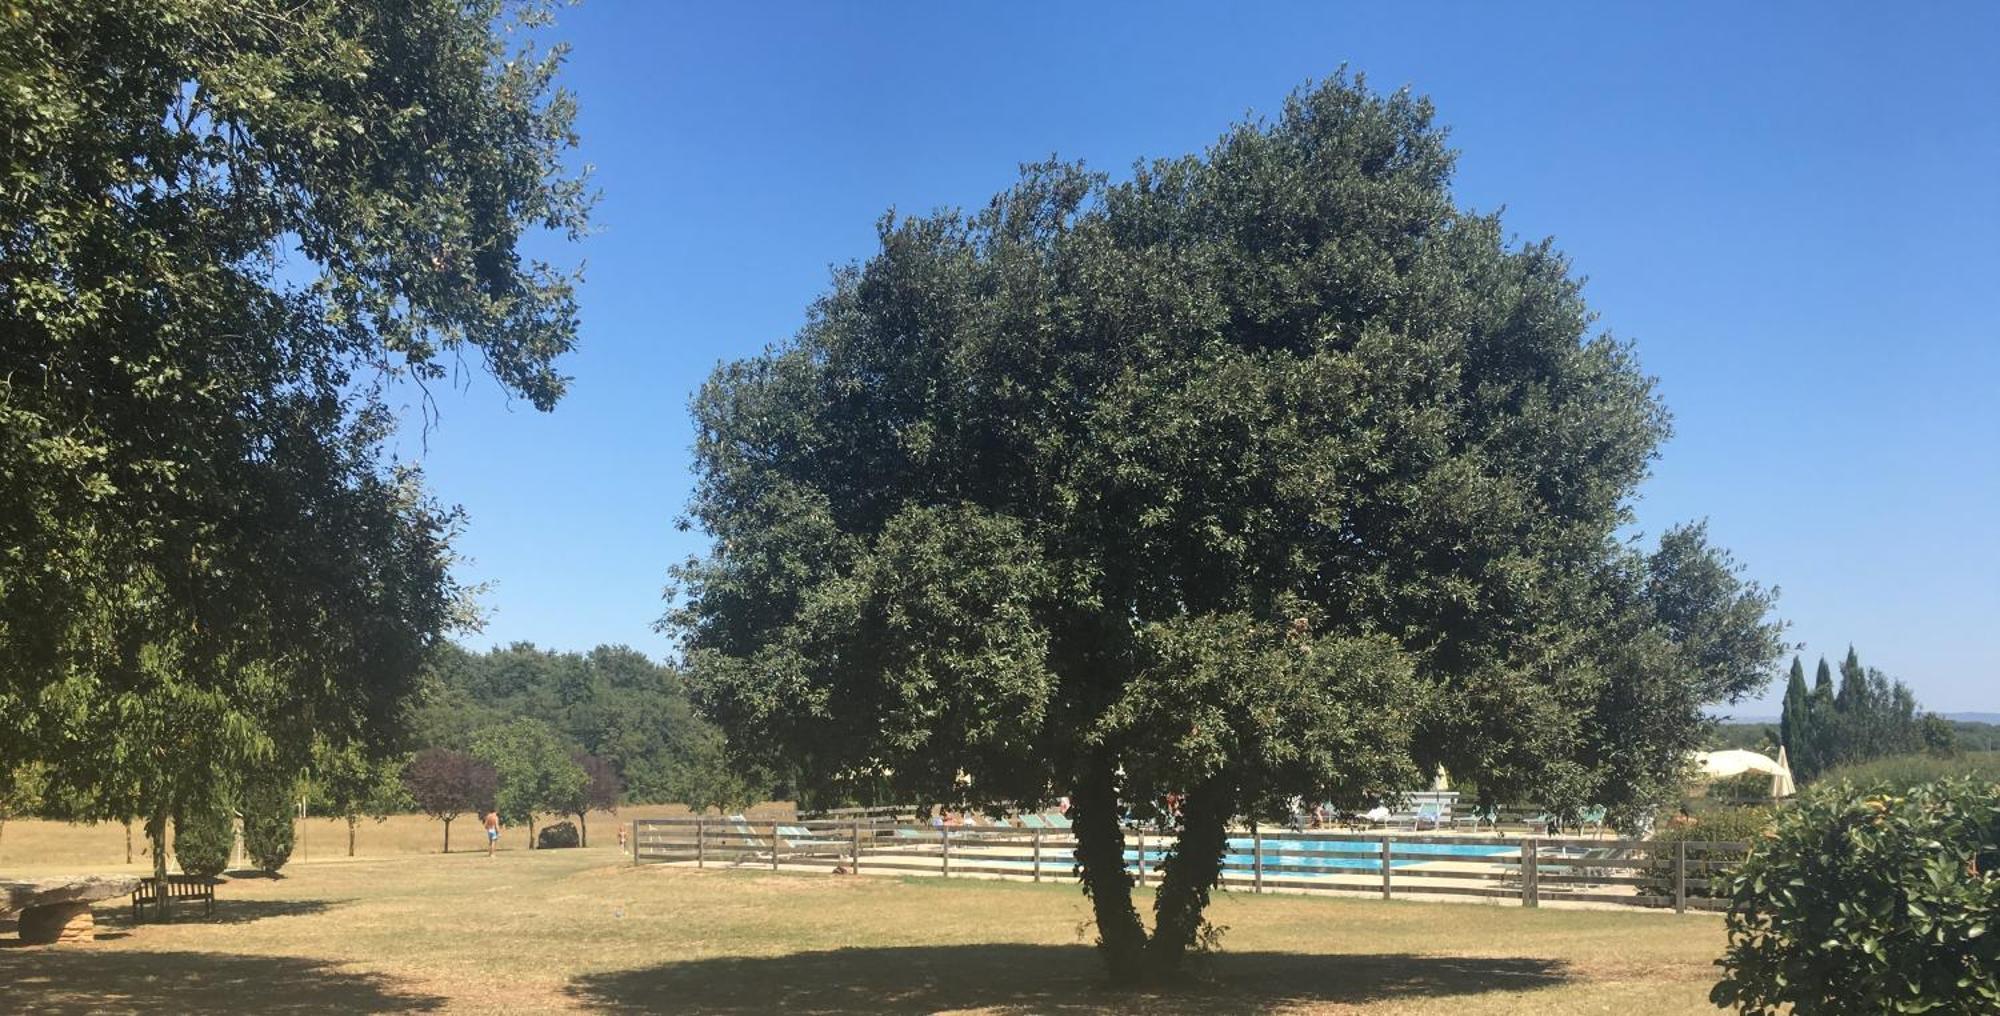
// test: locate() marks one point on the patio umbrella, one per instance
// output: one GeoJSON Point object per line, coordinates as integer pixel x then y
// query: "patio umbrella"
{"type": "Point", "coordinates": [1781, 781]}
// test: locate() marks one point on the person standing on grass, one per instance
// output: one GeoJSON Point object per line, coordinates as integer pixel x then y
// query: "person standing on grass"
{"type": "Point", "coordinates": [492, 821]}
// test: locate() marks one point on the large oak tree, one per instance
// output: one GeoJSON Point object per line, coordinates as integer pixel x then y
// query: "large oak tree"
{"type": "Point", "coordinates": [1265, 472]}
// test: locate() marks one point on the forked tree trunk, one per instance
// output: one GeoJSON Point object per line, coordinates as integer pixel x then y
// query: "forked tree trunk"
{"type": "Point", "coordinates": [1100, 852]}
{"type": "Point", "coordinates": [1190, 870]}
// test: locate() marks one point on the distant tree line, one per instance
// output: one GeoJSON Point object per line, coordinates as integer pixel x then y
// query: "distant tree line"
{"type": "Point", "coordinates": [565, 729]}
{"type": "Point", "coordinates": [1868, 716]}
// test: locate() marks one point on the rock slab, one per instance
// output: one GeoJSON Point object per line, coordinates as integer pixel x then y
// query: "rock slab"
{"type": "Point", "coordinates": [57, 910]}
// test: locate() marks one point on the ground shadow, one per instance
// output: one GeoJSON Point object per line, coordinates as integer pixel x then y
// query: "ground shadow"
{"type": "Point", "coordinates": [1039, 979]}
{"type": "Point", "coordinates": [79, 979]}
{"type": "Point", "coordinates": [227, 911]}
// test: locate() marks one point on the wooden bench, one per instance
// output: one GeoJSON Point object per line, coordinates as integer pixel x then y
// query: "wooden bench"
{"type": "Point", "coordinates": [178, 888]}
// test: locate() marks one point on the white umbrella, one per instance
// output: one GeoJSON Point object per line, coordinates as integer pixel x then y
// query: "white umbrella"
{"type": "Point", "coordinates": [1781, 781]}
{"type": "Point", "coordinates": [1443, 781]}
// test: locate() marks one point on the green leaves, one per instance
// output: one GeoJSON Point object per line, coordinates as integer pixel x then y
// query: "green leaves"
{"type": "Point", "coordinates": [1885, 908]}
{"type": "Point", "coordinates": [227, 232]}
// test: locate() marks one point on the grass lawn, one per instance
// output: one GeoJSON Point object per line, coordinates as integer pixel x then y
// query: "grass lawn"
{"type": "Point", "coordinates": [579, 930]}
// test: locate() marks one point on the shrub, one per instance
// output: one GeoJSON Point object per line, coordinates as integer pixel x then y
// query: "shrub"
{"type": "Point", "coordinates": [1867, 900]}
{"type": "Point", "coordinates": [267, 826]}
{"type": "Point", "coordinates": [1714, 825]}
{"type": "Point", "coordinates": [562, 834]}
{"type": "Point", "coordinates": [204, 834]}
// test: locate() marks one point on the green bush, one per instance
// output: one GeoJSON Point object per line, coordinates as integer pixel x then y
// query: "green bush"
{"type": "Point", "coordinates": [1902, 772]}
{"type": "Point", "coordinates": [562, 834]}
{"type": "Point", "coordinates": [204, 834]}
{"type": "Point", "coordinates": [267, 825]}
{"type": "Point", "coordinates": [1713, 825]}
{"type": "Point", "coordinates": [1867, 900]}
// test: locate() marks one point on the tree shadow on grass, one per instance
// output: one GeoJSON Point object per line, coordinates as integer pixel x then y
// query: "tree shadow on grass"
{"type": "Point", "coordinates": [79, 979]}
{"type": "Point", "coordinates": [1040, 979]}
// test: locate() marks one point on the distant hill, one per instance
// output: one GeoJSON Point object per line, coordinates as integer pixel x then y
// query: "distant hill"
{"type": "Point", "coordinates": [1993, 718]}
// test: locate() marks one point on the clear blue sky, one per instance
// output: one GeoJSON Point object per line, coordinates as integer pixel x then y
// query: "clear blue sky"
{"type": "Point", "coordinates": [1791, 208]}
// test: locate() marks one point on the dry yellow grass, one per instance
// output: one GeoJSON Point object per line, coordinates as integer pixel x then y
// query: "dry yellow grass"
{"type": "Point", "coordinates": [581, 930]}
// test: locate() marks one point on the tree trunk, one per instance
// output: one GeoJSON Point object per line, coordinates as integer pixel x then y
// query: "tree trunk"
{"type": "Point", "coordinates": [1100, 852]}
{"type": "Point", "coordinates": [582, 830]}
{"type": "Point", "coordinates": [128, 841]}
{"type": "Point", "coordinates": [351, 820]}
{"type": "Point", "coordinates": [1190, 870]}
{"type": "Point", "coordinates": [531, 832]}
{"type": "Point", "coordinates": [447, 836]}
{"type": "Point", "coordinates": [156, 830]}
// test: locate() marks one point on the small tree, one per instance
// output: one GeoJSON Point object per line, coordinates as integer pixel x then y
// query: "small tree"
{"type": "Point", "coordinates": [1865, 901]}
{"type": "Point", "coordinates": [600, 791]}
{"type": "Point", "coordinates": [536, 772]}
{"type": "Point", "coordinates": [446, 784]}
{"type": "Point", "coordinates": [267, 823]}
{"type": "Point", "coordinates": [349, 784]}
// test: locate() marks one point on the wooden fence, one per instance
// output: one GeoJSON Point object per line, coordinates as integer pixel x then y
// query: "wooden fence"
{"type": "Point", "coordinates": [1533, 870]}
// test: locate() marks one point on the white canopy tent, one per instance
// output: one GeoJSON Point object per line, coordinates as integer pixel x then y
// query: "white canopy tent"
{"type": "Point", "coordinates": [1715, 765]}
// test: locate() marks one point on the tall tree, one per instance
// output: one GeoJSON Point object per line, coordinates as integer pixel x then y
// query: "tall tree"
{"type": "Point", "coordinates": [1795, 730]}
{"type": "Point", "coordinates": [1266, 472]}
{"type": "Point", "coordinates": [229, 234]}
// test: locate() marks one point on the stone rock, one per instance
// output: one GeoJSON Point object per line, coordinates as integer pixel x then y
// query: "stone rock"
{"type": "Point", "coordinates": [58, 924]}
{"type": "Point", "coordinates": [42, 892]}
{"type": "Point", "coordinates": [57, 909]}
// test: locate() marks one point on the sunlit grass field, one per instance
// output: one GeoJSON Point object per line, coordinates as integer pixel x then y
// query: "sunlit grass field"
{"type": "Point", "coordinates": [582, 930]}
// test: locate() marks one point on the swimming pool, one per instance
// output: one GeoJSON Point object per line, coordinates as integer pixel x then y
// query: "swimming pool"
{"type": "Point", "coordinates": [1283, 854]}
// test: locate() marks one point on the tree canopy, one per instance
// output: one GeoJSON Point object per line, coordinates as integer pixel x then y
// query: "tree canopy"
{"type": "Point", "coordinates": [1264, 472]}
{"type": "Point", "coordinates": [229, 234]}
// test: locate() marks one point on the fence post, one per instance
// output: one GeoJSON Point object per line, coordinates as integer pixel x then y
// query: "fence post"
{"type": "Point", "coordinates": [944, 836]}
{"type": "Point", "coordinates": [1038, 855]}
{"type": "Point", "coordinates": [774, 845]}
{"type": "Point", "coordinates": [1385, 866]}
{"type": "Point", "coordinates": [1256, 859]}
{"type": "Point", "coordinates": [700, 843]}
{"type": "Point", "coordinates": [1142, 855]}
{"type": "Point", "coordinates": [1530, 877]}
{"type": "Point", "coordinates": [637, 824]}
{"type": "Point", "coordinates": [857, 846]}
{"type": "Point", "coordinates": [1680, 876]}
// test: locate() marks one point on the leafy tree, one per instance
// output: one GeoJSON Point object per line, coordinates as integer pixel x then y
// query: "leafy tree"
{"type": "Point", "coordinates": [1267, 472]}
{"type": "Point", "coordinates": [536, 771]}
{"type": "Point", "coordinates": [446, 784]}
{"type": "Point", "coordinates": [348, 784]}
{"type": "Point", "coordinates": [229, 234]}
{"type": "Point", "coordinates": [1939, 735]}
{"type": "Point", "coordinates": [267, 821]}
{"type": "Point", "coordinates": [1869, 900]}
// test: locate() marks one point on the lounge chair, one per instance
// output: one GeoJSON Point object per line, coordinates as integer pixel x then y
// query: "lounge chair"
{"type": "Point", "coordinates": [1034, 822]}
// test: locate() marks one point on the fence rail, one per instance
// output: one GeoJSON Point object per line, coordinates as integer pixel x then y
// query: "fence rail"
{"type": "Point", "coordinates": [1531, 869]}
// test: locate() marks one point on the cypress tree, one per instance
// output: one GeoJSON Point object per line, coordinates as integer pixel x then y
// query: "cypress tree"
{"type": "Point", "coordinates": [1823, 720]}
{"type": "Point", "coordinates": [1795, 724]}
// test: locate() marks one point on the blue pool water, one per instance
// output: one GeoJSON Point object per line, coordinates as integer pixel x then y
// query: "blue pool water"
{"type": "Point", "coordinates": [1362, 856]}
